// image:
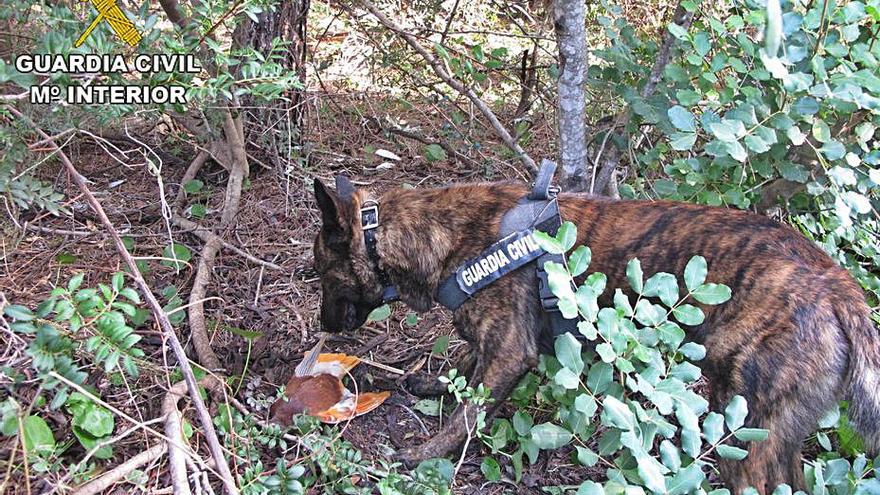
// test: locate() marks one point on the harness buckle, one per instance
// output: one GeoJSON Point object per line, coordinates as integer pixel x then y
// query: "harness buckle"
{"type": "Point", "coordinates": [548, 300]}
{"type": "Point", "coordinates": [369, 215]}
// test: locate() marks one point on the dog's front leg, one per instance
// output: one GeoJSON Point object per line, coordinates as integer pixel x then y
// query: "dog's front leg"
{"type": "Point", "coordinates": [498, 367]}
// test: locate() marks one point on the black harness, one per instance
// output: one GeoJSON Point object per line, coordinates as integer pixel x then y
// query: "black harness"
{"type": "Point", "coordinates": [516, 248]}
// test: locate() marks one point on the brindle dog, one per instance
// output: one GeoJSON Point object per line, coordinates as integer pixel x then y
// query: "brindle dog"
{"type": "Point", "coordinates": [795, 338]}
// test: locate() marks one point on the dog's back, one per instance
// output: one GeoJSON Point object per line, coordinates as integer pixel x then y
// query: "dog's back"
{"type": "Point", "coordinates": [795, 337]}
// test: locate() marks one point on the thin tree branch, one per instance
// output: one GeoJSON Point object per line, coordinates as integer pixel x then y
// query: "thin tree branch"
{"type": "Point", "coordinates": [155, 307]}
{"type": "Point", "coordinates": [455, 84]}
{"type": "Point", "coordinates": [601, 178]}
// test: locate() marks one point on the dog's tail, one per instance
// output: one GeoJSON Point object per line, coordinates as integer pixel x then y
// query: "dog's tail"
{"type": "Point", "coordinates": [863, 376]}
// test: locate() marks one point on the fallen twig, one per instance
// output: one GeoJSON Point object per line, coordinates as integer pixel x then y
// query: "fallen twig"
{"type": "Point", "coordinates": [155, 307]}
{"type": "Point", "coordinates": [116, 474]}
{"type": "Point", "coordinates": [174, 429]}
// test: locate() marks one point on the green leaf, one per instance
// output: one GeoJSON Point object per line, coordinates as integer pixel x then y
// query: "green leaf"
{"type": "Point", "coordinates": [65, 258]}
{"type": "Point", "coordinates": [567, 379]}
{"type": "Point", "coordinates": [806, 105]}
{"type": "Point", "coordinates": [244, 333]}
{"type": "Point", "coordinates": [428, 407]}
{"type": "Point", "coordinates": [599, 377]}
{"type": "Point", "coordinates": [651, 474]}
{"type": "Point", "coordinates": [669, 455]}
{"type": "Point", "coordinates": [735, 413]}
{"type": "Point", "coordinates": [634, 275]}
{"type": "Point", "coordinates": [548, 243]}
{"type": "Point", "coordinates": [440, 345]}
{"type": "Point", "coordinates": [682, 141]}
{"type": "Point", "coordinates": [606, 352]}
{"type": "Point", "coordinates": [688, 314]}
{"type": "Point", "coordinates": [586, 457]}
{"type": "Point", "coordinates": [75, 282]}
{"type": "Point", "coordinates": [548, 436]}
{"type": "Point", "coordinates": [490, 469]}
{"type": "Point", "coordinates": [736, 151]}
{"type": "Point", "coordinates": [567, 235]}
{"type": "Point", "coordinates": [434, 153]}
{"type": "Point", "coordinates": [728, 130]}
{"type": "Point", "coordinates": [94, 419]}
{"type": "Point", "coordinates": [713, 427]}
{"type": "Point", "coordinates": [833, 150]}
{"type": "Point", "coordinates": [18, 312]}
{"type": "Point", "coordinates": [568, 353]}
{"type": "Point", "coordinates": [821, 131]}
{"type": "Point", "coordinates": [579, 260]}
{"type": "Point", "coordinates": [751, 434]}
{"type": "Point", "coordinates": [730, 452]}
{"type": "Point", "coordinates": [193, 186]}
{"type": "Point", "coordinates": [670, 334]}
{"type": "Point", "coordinates": [522, 422]}
{"type": "Point", "coordinates": [682, 119]}
{"type": "Point", "coordinates": [198, 210]}
{"type": "Point", "coordinates": [173, 252]}
{"type": "Point", "coordinates": [711, 293]}
{"type": "Point", "coordinates": [687, 480]}
{"type": "Point", "coordinates": [662, 285]}
{"type": "Point", "coordinates": [37, 436]}
{"type": "Point", "coordinates": [615, 413]}
{"type": "Point", "coordinates": [586, 405]}
{"type": "Point", "coordinates": [117, 281]}
{"type": "Point", "coordinates": [695, 272]}
{"type": "Point", "coordinates": [649, 314]}
{"type": "Point", "coordinates": [756, 144]}
{"type": "Point", "coordinates": [380, 314]}
{"type": "Point", "coordinates": [130, 294]}
{"type": "Point", "coordinates": [590, 488]}
{"type": "Point", "coordinates": [693, 351]}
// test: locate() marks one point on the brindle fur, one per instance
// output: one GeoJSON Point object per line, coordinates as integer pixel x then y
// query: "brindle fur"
{"type": "Point", "coordinates": [795, 337]}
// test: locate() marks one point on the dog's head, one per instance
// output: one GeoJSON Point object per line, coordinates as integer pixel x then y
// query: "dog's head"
{"type": "Point", "coordinates": [350, 288]}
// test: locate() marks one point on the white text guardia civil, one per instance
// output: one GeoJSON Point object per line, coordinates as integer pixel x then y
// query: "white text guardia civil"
{"type": "Point", "coordinates": [488, 264]}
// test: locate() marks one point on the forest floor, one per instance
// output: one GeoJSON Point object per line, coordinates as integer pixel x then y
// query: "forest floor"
{"type": "Point", "coordinates": [277, 222]}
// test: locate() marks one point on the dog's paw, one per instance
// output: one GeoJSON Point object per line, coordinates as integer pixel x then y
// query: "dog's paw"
{"type": "Point", "coordinates": [425, 385]}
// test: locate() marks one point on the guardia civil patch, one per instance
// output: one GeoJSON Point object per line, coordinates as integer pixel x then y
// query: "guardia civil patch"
{"type": "Point", "coordinates": [497, 260]}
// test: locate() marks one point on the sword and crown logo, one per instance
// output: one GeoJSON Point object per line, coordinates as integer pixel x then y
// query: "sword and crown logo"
{"type": "Point", "coordinates": [121, 25]}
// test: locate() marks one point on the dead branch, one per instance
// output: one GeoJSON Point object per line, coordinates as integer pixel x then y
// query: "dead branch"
{"type": "Point", "coordinates": [455, 84]}
{"type": "Point", "coordinates": [155, 307]}
{"type": "Point", "coordinates": [601, 178]}
{"type": "Point", "coordinates": [174, 429]}
{"type": "Point", "coordinates": [189, 175]}
{"type": "Point", "coordinates": [205, 234]}
{"type": "Point", "coordinates": [118, 473]}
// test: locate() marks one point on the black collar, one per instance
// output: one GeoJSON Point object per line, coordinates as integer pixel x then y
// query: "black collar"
{"type": "Point", "coordinates": [369, 224]}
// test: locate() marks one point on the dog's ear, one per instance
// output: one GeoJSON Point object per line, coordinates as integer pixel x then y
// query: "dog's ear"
{"type": "Point", "coordinates": [344, 188]}
{"type": "Point", "coordinates": [329, 204]}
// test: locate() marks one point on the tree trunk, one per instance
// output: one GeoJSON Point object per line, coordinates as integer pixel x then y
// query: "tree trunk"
{"type": "Point", "coordinates": [571, 38]}
{"type": "Point", "coordinates": [276, 127]}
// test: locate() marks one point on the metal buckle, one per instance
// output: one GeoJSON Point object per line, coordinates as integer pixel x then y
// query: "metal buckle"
{"type": "Point", "coordinates": [369, 215]}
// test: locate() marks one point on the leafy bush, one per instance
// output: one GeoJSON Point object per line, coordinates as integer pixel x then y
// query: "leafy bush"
{"type": "Point", "coordinates": [739, 124]}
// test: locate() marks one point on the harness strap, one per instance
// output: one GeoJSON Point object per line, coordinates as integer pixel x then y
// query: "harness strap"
{"type": "Point", "coordinates": [538, 211]}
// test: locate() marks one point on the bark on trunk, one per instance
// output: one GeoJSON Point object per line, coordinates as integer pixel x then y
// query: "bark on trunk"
{"type": "Point", "coordinates": [287, 23]}
{"type": "Point", "coordinates": [571, 39]}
